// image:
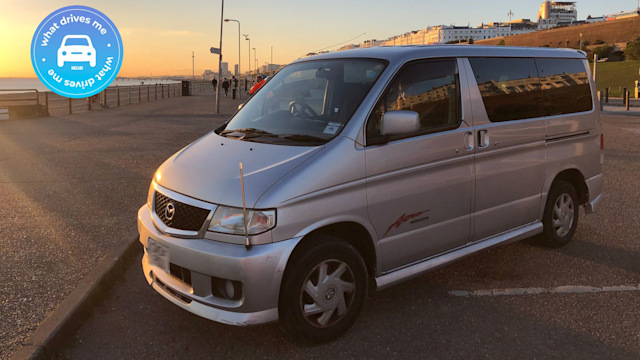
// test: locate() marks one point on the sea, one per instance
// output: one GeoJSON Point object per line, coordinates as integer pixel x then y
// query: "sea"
{"type": "Point", "coordinates": [14, 85]}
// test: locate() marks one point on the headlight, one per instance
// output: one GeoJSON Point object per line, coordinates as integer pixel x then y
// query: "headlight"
{"type": "Point", "coordinates": [230, 220]}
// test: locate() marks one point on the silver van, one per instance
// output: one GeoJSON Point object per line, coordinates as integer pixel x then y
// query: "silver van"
{"type": "Point", "coordinates": [360, 169]}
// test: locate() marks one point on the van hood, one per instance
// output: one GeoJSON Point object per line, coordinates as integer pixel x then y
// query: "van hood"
{"type": "Point", "coordinates": [208, 169]}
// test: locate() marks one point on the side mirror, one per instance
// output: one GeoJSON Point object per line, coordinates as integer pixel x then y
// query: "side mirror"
{"type": "Point", "coordinates": [398, 122]}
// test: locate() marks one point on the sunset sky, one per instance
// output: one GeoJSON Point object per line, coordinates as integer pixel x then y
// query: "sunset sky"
{"type": "Point", "coordinates": [159, 36]}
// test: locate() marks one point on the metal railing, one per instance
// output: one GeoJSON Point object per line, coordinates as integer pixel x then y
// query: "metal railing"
{"type": "Point", "coordinates": [14, 97]}
{"type": "Point", "coordinates": [111, 97]}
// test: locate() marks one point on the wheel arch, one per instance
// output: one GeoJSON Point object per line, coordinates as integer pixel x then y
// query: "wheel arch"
{"type": "Point", "coordinates": [352, 233]}
{"type": "Point", "coordinates": [576, 179]}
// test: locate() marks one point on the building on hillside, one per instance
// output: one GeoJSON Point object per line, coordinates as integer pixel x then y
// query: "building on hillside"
{"type": "Point", "coordinates": [449, 33]}
{"type": "Point", "coordinates": [554, 13]}
{"type": "Point", "coordinates": [349, 47]}
{"type": "Point", "coordinates": [623, 15]}
{"type": "Point", "coordinates": [591, 20]}
{"type": "Point", "coordinates": [371, 43]}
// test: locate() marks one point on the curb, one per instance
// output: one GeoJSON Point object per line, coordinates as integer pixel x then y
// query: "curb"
{"type": "Point", "coordinates": [59, 327]}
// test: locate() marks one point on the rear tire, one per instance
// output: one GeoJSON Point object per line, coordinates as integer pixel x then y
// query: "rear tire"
{"type": "Point", "coordinates": [323, 290]}
{"type": "Point", "coordinates": [560, 217]}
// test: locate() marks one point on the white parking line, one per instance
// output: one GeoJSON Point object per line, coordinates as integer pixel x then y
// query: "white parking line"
{"type": "Point", "coordinates": [567, 289]}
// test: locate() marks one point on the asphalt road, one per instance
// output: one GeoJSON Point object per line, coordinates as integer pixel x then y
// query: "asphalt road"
{"type": "Point", "coordinates": [423, 318]}
{"type": "Point", "coordinates": [70, 188]}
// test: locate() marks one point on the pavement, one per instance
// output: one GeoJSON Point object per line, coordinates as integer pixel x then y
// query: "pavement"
{"type": "Point", "coordinates": [71, 187]}
{"type": "Point", "coordinates": [516, 301]}
{"type": "Point", "coordinates": [83, 157]}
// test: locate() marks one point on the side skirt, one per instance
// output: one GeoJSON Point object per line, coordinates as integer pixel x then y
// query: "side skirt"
{"type": "Point", "coordinates": [410, 271]}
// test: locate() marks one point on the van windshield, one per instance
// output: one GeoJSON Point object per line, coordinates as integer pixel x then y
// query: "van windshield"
{"type": "Point", "coordinates": [306, 103]}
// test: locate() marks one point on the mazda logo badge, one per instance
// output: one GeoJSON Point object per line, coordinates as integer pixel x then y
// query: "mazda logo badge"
{"type": "Point", "coordinates": [169, 211]}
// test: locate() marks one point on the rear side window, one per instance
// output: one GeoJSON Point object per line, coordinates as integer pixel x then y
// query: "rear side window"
{"type": "Point", "coordinates": [430, 88]}
{"type": "Point", "coordinates": [565, 86]}
{"type": "Point", "coordinates": [510, 87]}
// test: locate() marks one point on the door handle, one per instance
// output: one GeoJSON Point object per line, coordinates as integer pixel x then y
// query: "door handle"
{"type": "Point", "coordinates": [468, 140]}
{"type": "Point", "coordinates": [483, 138]}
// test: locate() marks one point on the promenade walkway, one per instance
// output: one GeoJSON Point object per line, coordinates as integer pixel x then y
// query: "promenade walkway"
{"type": "Point", "coordinates": [70, 188]}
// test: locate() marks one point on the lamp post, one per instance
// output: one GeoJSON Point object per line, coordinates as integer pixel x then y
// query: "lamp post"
{"type": "Point", "coordinates": [239, 72]}
{"type": "Point", "coordinates": [219, 61]}
{"type": "Point", "coordinates": [255, 59]}
{"type": "Point", "coordinates": [246, 37]}
{"type": "Point", "coordinates": [580, 41]}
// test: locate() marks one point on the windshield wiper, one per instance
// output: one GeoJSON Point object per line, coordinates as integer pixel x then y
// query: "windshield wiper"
{"type": "Point", "coordinates": [251, 132]}
{"type": "Point", "coordinates": [304, 138]}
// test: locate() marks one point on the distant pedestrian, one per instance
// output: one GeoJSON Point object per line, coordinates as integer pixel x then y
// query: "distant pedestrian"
{"type": "Point", "coordinates": [246, 85]}
{"type": "Point", "coordinates": [214, 82]}
{"type": "Point", "coordinates": [234, 82]}
{"type": "Point", "coordinates": [258, 85]}
{"type": "Point", "coordinates": [225, 86]}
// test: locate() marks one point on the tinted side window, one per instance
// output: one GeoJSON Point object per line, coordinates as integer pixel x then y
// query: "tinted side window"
{"type": "Point", "coordinates": [565, 86]}
{"type": "Point", "coordinates": [510, 87]}
{"type": "Point", "coordinates": [430, 88]}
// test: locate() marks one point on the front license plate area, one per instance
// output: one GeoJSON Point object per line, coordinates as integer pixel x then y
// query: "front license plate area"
{"type": "Point", "coordinates": [158, 255]}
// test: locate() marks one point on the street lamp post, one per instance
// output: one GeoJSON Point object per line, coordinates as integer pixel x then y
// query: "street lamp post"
{"type": "Point", "coordinates": [246, 37]}
{"type": "Point", "coordinates": [219, 61]}
{"type": "Point", "coordinates": [239, 72]}
{"type": "Point", "coordinates": [580, 41]}
{"type": "Point", "coordinates": [255, 59]}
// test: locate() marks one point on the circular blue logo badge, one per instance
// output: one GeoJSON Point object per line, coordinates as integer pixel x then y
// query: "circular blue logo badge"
{"type": "Point", "coordinates": [76, 51]}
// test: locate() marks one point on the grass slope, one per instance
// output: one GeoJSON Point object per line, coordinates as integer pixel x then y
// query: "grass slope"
{"type": "Point", "coordinates": [617, 75]}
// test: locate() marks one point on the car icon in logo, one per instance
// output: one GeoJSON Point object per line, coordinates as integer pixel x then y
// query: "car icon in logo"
{"type": "Point", "coordinates": [76, 48]}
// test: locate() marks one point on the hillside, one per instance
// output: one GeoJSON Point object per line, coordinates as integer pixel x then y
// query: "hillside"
{"type": "Point", "coordinates": [616, 31]}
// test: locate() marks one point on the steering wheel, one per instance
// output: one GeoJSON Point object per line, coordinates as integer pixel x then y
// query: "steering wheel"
{"type": "Point", "coordinates": [300, 108]}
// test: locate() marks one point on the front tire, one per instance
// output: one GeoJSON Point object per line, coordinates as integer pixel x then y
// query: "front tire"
{"type": "Point", "coordinates": [560, 217]}
{"type": "Point", "coordinates": [323, 290]}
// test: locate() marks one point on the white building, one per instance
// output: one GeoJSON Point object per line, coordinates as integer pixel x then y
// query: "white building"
{"type": "Point", "coordinates": [371, 43]}
{"type": "Point", "coordinates": [443, 34]}
{"type": "Point", "coordinates": [553, 13]}
{"type": "Point", "coordinates": [591, 20]}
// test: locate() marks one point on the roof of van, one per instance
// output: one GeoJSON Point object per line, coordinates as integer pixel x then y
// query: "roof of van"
{"type": "Point", "coordinates": [408, 52]}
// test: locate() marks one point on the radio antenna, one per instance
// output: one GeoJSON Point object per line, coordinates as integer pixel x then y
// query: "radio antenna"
{"type": "Point", "coordinates": [247, 244]}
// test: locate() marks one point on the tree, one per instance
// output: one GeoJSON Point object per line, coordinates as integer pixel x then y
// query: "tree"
{"type": "Point", "coordinates": [501, 43]}
{"type": "Point", "coordinates": [603, 51]}
{"type": "Point", "coordinates": [633, 49]}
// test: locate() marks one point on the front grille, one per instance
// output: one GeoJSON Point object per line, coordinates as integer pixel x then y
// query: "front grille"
{"type": "Point", "coordinates": [185, 217]}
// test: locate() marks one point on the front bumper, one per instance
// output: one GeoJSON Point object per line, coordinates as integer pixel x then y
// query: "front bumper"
{"type": "Point", "coordinates": [258, 269]}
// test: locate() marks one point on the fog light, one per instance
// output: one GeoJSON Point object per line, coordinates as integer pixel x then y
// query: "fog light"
{"type": "Point", "coordinates": [226, 289]}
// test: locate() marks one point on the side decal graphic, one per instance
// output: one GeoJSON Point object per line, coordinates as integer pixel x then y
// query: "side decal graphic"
{"type": "Point", "coordinates": [404, 218]}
